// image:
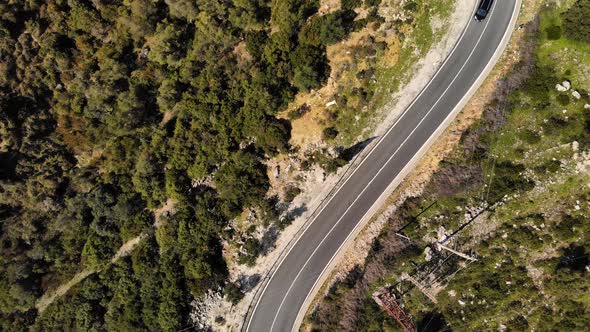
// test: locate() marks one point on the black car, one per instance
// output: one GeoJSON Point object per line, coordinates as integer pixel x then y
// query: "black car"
{"type": "Point", "coordinates": [483, 9]}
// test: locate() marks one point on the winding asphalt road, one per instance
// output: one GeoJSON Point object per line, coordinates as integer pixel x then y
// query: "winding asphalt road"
{"type": "Point", "coordinates": [286, 294]}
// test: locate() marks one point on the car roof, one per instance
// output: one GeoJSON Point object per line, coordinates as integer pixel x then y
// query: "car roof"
{"type": "Point", "coordinates": [485, 4]}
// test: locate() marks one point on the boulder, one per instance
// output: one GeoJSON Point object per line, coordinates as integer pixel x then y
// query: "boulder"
{"type": "Point", "coordinates": [427, 254]}
{"type": "Point", "coordinates": [576, 94]}
{"type": "Point", "coordinates": [560, 87]}
{"type": "Point", "coordinates": [566, 84]}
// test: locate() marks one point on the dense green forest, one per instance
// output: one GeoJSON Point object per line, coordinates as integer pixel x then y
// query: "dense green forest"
{"type": "Point", "coordinates": [108, 108]}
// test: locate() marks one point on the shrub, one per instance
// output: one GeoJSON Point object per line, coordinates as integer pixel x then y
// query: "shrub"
{"type": "Point", "coordinates": [563, 99]}
{"type": "Point", "coordinates": [351, 4]}
{"type": "Point", "coordinates": [334, 164]}
{"type": "Point", "coordinates": [542, 80]}
{"type": "Point", "coordinates": [548, 166]}
{"type": "Point", "coordinates": [233, 293]}
{"type": "Point", "coordinates": [299, 112]}
{"type": "Point", "coordinates": [411, 6]}
{"type": "Point", "coordinates": [554, 124]}
{"type": "Point", "coordinates": [553, 32]}
{"type": "Point", "coordinates": [585, 95]}
{"type": "Point", "coordinates": [530, 136]}
{"type": "Point", "coordinates": [330, 133]}
{"type": "Point", "coordinates": [251, 251]}
{"type": "Point", "coordinates": [291, 193]}
{"type": "Point", "coordinates": [576, 21]}
{"type": "Point", "coordinates": [310, 67]}
{"type": "Point", "coordinates": [508, 178]}
{"type": "Point", "coordinates": [372, 3]}
{"type": "Point", "coordinates": [328, 29]}
{"type": "Point", "coordinates": [566, 229]}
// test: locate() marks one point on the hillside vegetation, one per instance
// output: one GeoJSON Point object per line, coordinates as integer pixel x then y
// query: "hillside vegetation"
{"type": "Point", "coordinates": [526, 165]}
{"type": "Point", "coordinates": [108, 109]}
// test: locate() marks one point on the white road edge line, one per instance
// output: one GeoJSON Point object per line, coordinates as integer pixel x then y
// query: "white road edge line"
{"type": "Point", "coordinates": [449, 56]}
{"type": "Point", "coordinates": [372, 179]}
{"type": "Point", "coordinates": [418, 155]}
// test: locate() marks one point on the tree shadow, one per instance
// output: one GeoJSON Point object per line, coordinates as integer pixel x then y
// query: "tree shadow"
{"type": "Point", "coordinates": [432, 322]}
{"type": "Point", "coordinates": [574, 258]}
{"type": "Point", "coordinates": [349, 153]}
{"type": "Point", "coordinates": [267, 243]}
{"type": "Point", "coordinates": [248, 282]}
{"type": "Point", "coordinates": [269, 239]}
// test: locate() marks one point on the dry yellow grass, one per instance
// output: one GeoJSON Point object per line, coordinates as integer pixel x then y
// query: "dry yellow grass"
{"type": "Point", "coordinates": [307, 130]}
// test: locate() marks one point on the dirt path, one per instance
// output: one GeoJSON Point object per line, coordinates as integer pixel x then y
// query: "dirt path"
{"type": "Point", "coordinates": [49, 297]}
{"type": "Point", "coordinates": [125, 249]}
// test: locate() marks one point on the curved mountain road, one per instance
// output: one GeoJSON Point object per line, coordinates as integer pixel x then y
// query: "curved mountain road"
{"type": "Point", "coordinates": [286, 294]}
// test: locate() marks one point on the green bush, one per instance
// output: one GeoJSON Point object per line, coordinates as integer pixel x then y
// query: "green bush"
{"type": "Point", "coordinates": [350, 4]}
{"type": "Point", "coordinates": [565, 230]}
{"type": "Point", "coordinates": [553, 32]}
{"type": "Point", "coordinates": [251, 250]}
{"type": "Point", "coordinates": [291, 193]}
{"type": "Point", "coordinates": [328, 29]}
{"type": "Point", "coordinates": [233, 293]}
{"type": "Point", "coordinates": [329, 133]}
{"type": "Point", "coordinates": [508, 178]}
{"type": "Point", "coordinates": [563, 99]}
{"type": "Point", "coordinates": [411, 6]}
{"type": "Point", "coordinates": [576, 21]}
{"type": "Point", "coordinates": [551, 166]}
{"type": "Point", "coordinates": [372, 3]}
{"type": "Point", "coordinates": [529, 136]}
{"type": "Point", "coordinates": [299, 112]}
{"type": "Point", "coordinates": [541, 82]}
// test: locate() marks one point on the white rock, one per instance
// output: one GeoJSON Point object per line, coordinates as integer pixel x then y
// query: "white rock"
{"type": "Point", "coordinates": [332, 103]}
{"type": "Point", "coordinates": [462, 303]}
{"type": "Point", "coordinates": [564, 111]}
{"type": "Point", "coordinates": [452, 293]}
{"type": "Point", "coordinates": [566, 84]}
{"type": "Point", "coordinates": [587, 106]}
{"type": "Point", "coordinates": [576, 94]}
{"type": "Point", "coordinates": [427, 254]}
{"type": "Point", "coordinates": [575, 146]}
{"type": "Point", "coordinates": [560, 87]}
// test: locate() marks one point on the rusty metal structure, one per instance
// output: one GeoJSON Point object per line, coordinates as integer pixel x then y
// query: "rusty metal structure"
{"type": "Point", "coordinates": [443, 259]}
{"type": "Point", "coordinates": [388, 301]}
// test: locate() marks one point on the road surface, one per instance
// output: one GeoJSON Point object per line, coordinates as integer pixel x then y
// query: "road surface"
{"type": "Point", "coordinates": [286, 294]}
